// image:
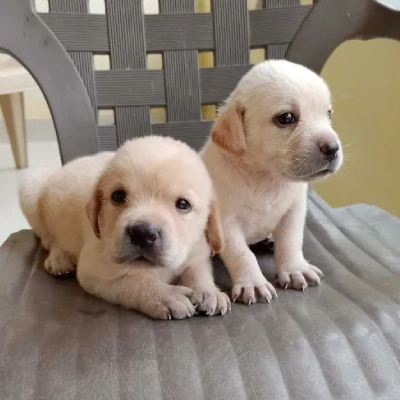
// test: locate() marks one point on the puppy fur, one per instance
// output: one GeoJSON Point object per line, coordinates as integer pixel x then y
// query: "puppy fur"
{"type": "Point", "coordinates": [83, 225]}
{"type": "Point", "coordinates": [261, 167]}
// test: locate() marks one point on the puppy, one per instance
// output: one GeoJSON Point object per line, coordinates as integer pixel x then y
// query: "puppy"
{"type": "Point", "coordinates": [271, 138]}
{"type": "Point", "coordinates": [134, 223]}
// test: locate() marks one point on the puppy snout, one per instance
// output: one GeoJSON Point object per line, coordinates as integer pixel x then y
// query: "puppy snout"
{"type": "Point", "coordinates": [144, 235]}
{"type": "Point", "coordinates": [330, 150]}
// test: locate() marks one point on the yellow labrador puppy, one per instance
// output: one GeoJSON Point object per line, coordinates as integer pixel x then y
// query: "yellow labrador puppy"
{"type": "Point", "coordinates": [136, 224]}
{"type": "Point", "coordinates": [271, 138]}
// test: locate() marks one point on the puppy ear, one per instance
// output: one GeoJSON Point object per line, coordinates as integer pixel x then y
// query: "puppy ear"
{"type": "Point", "coordinates": [214, 229]}
{"type": "Point", "coordinates": [228, 130]}
{"type": "Point", "coordinates": [93, 209]}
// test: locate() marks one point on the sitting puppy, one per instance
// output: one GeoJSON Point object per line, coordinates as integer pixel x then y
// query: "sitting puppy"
{"type": "Point", "coordinates": [134, 223]}
{"type": "Point", "coordinates": [271, 138]}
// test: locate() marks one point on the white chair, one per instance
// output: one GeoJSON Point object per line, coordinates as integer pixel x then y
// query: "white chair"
{"type": "Point", "coordinates": [14, 81]}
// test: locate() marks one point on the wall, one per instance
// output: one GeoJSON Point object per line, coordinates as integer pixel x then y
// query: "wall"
{"type": "Point", "coordinates": [365, 80]}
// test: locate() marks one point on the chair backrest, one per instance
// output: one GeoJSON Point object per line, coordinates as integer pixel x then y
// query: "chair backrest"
{"type": "Point", "coordinates": [59, 48]}
{"type": "Point", "coordinates": [131, 91]}
{"type": "Point", "coordinates": [360, 19]}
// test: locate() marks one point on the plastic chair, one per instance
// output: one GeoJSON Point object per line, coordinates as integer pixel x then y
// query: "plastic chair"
{"type": "Point", "coordinates": [177, 32]}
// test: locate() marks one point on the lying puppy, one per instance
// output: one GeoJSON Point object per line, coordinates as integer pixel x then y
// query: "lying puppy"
{"type": "Point", "coordinates": [271, 138]}
{"type": "Point", "coordinates": [134, 222]}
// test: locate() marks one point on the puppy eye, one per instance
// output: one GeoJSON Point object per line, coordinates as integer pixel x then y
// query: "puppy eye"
{"type": "Point", "coordinates": [285, 119]}
{"type": "Point", "coordinates": [183, 205]}
{"type": "Point", "coordinates": [119, 196]}
{"type": "Point", "coordinates": [330, 114]}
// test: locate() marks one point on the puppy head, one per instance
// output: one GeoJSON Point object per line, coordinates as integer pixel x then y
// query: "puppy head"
{"type": "Point", "coordinates": [278, 119]}
{"type": "Point", "coordinates": [154, 203]}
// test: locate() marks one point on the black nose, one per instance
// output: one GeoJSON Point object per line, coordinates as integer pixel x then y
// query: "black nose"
{"type": "Point", "coordinates": [143, 234]}
{"type": "Point", "coordinates": [330, 150]}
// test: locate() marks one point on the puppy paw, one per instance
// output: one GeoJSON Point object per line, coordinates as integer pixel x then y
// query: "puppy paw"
{"type": "Point", "coordinates": [59, 263]}
{"type": "Point", "coordinates": [299, 276]}
{"type": "Point", "coordinates": [251, 290]}
{"type": "Point", "coordinates": [210, 301]}
{"type": "Point", "coordinates": [174, 303]}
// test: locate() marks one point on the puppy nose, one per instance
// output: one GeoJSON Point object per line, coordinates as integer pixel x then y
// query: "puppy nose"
{"type": "Point", "coordinates": [330, 150]}
{"type": "Point", "coordinates": [143, 235]}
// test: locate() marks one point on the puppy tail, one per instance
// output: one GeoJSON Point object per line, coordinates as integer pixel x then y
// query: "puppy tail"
{"type": "Point", "coordinates": [30, 191]}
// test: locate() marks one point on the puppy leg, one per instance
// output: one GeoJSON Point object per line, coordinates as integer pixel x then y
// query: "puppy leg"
{"type": "Point", "coordinates": [136, 289]}
{"type": "Point", "coordinates": [206, 297]}
{"type": "Point", "coordinates": [249, 284]}
{"type": "Point", "coordinates": [58, 262]}
{"type": "Point", "coordinates": [292, 270]}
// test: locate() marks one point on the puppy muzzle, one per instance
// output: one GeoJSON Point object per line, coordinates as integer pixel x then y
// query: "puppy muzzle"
{"type": "Point", "coordinates": [318, 165]}
{"type": "Point", "coordinates": [142, 242]}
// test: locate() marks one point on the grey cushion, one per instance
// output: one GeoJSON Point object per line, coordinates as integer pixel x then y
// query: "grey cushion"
{"type": "Point", "coordinates": [338, 340]}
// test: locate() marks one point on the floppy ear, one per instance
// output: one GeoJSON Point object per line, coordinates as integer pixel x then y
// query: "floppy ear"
{"type": "Point", "coordinates": [93, 209]}
{"type": "Point", "coordinates": [228, 130]}
{"type": "Point", "coordinates": [214, 229]}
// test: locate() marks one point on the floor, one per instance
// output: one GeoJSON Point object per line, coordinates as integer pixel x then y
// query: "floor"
{"type": "Point", "coordinates": [41, 154]}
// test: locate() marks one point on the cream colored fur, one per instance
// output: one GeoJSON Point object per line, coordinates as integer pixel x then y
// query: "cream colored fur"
{"type": "Point", "coordinates": [72, 211]}
{"type": "Point", "coordinates": [261, 169]}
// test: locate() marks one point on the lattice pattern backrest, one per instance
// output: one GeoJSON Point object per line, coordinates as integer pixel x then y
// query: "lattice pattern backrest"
{"type": "Point", "coordinates": [127, 35]}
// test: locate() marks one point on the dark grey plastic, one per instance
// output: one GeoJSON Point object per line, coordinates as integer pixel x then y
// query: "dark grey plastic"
{"type": "Point", "coordinates": [339, 340]}
{"type": "Point", "coordinates": [127, 36]}
{"type": "Point", "coordinates": [335, 21]}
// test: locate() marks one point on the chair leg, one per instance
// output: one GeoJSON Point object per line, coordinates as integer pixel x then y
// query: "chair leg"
{"type": "Point", "coordinates": [12, 106]}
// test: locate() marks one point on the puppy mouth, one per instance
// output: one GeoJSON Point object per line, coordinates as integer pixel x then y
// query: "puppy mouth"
{"type": "Point", "coordinates": [315, 173]}
{"type": "Point", "coordinates": [313, 176]}
{"type": "Point", "coordinates": [130, 258]}
{"type": "Point", "coordinates": [144, 259]}
{"type": "Point", "coordinates": [320, 174]}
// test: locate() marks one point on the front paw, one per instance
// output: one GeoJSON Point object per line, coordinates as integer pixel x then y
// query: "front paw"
{"type": "Point", "coordinates": [250, 290]}
{"type": "Point", "coordinates": [299, 276]}
{"type": "Point", "coordinates": [210, 301]}
{"type": "Point", "coordinates": [59, 263]}
{"type": "Point", "coordinates": [172, 303]}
